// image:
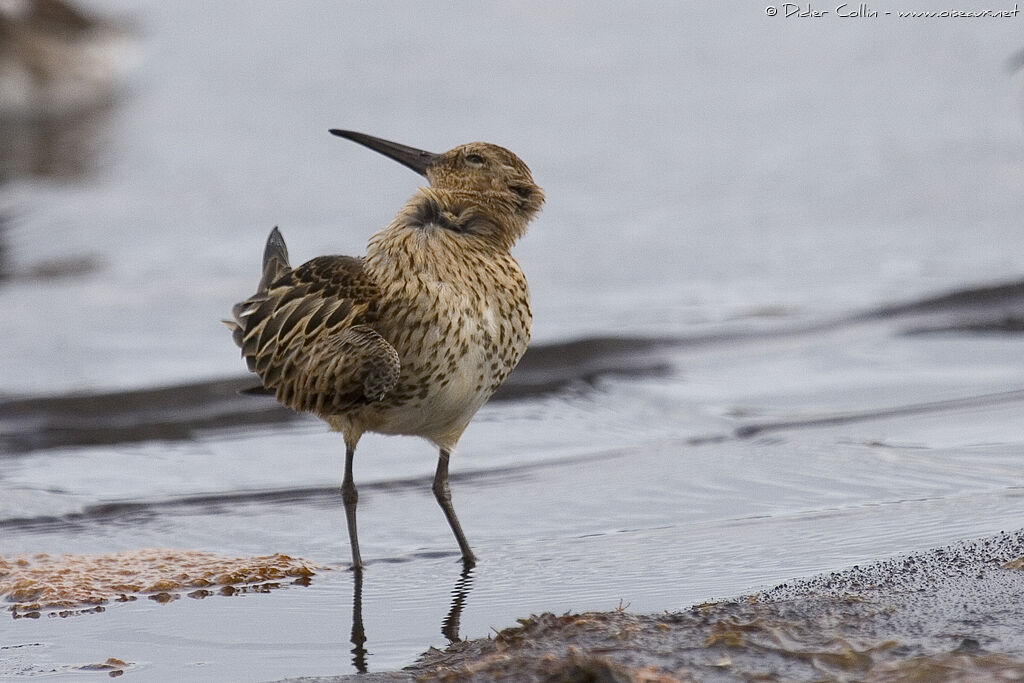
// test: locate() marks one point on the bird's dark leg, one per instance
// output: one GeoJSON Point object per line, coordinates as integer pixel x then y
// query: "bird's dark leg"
{"type": "Point", "coordinates": [444, 498]}
{"type": "Point", "coordinates": [350, 497]}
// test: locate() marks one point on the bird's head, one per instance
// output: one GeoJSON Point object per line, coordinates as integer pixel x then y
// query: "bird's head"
{"type": "Point", "coordinates": [480, 182]}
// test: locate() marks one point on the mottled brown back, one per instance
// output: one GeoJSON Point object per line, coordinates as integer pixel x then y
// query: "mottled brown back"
{"type": "Point", "coordinates": [308, 333]}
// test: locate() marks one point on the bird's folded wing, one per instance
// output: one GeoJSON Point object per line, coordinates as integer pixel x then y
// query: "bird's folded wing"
{"type": "Point", "coordinates": [310, 337]}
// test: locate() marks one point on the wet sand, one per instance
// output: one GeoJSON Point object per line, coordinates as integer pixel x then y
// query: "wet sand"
{"type": "Point", "coordinates": [952, 613]}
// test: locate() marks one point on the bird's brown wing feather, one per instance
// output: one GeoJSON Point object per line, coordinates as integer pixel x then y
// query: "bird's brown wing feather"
{"type": "Point", "coordinates": [309, 336]}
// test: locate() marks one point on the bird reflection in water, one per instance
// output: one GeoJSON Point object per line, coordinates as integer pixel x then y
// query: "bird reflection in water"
{"type": "Point", "coordinates": [449, 625]}
{"type": "Point", "coordinates": [358, 632]}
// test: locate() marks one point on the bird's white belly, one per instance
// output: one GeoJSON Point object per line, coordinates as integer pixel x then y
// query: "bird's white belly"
{"type": "Point", "coordinates": [441, 410]}
{"type": "Point", "coordinates": [442, 415]}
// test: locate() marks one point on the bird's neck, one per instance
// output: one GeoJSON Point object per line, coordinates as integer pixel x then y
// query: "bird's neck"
{"type": "Point", "coordinates": [440, 237]}
{"type": "Point", "coordinates": [487, 218]}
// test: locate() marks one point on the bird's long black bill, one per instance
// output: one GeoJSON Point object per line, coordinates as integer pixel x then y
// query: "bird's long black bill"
{"type": "Point", "coordinates": [416, 159]}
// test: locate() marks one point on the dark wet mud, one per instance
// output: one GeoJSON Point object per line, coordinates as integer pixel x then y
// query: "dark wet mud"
{"type": "Point", "coordinates": [996, 308]}
{"type": "Point", "coordinates": [952, 613]}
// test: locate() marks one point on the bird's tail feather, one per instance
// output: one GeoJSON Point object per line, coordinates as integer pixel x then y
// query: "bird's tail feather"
{"type": "Point", "coordinates": [275, 264]}
{"type": "Point", "coordinates": [275, 260]}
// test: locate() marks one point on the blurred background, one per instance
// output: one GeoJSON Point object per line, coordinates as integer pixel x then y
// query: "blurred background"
{"type": "Point", "coordinates": [760, 194]}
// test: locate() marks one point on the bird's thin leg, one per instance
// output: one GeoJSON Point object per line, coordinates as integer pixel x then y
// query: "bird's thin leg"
{"type": "Point", "coordinates": [350, 497]}
{"type": "Point", "coordinates": [444, 498]}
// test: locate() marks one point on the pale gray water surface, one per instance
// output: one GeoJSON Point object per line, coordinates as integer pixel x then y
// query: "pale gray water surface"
{"type": "Point", "coordinates": [747, 183]}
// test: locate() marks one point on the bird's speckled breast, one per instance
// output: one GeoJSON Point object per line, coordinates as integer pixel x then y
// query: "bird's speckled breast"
{"type": "Point", "coordinates": [460, 320]}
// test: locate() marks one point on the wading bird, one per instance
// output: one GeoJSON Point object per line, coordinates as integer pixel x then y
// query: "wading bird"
{"type": "Point", "coordinates": [416, 335]}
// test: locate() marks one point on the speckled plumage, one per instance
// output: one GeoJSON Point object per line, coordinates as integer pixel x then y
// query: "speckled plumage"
{"type": "Point", "coordinates": [416, 335]}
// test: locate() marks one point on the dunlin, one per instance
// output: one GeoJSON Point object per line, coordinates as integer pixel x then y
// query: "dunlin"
{"type": "Point", "coordinates": [416, 335]}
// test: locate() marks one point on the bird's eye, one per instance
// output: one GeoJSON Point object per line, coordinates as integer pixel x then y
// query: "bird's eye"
{"type": "Point", "coordinates": [474, 159]}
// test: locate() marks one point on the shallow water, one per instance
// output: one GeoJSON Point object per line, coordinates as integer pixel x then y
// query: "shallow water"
{"type": "Point", "coordinates": [740, 188]}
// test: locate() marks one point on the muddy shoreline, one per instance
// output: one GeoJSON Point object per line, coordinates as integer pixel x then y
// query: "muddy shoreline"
{"type": "Point", "coordinates": [950, 613]}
